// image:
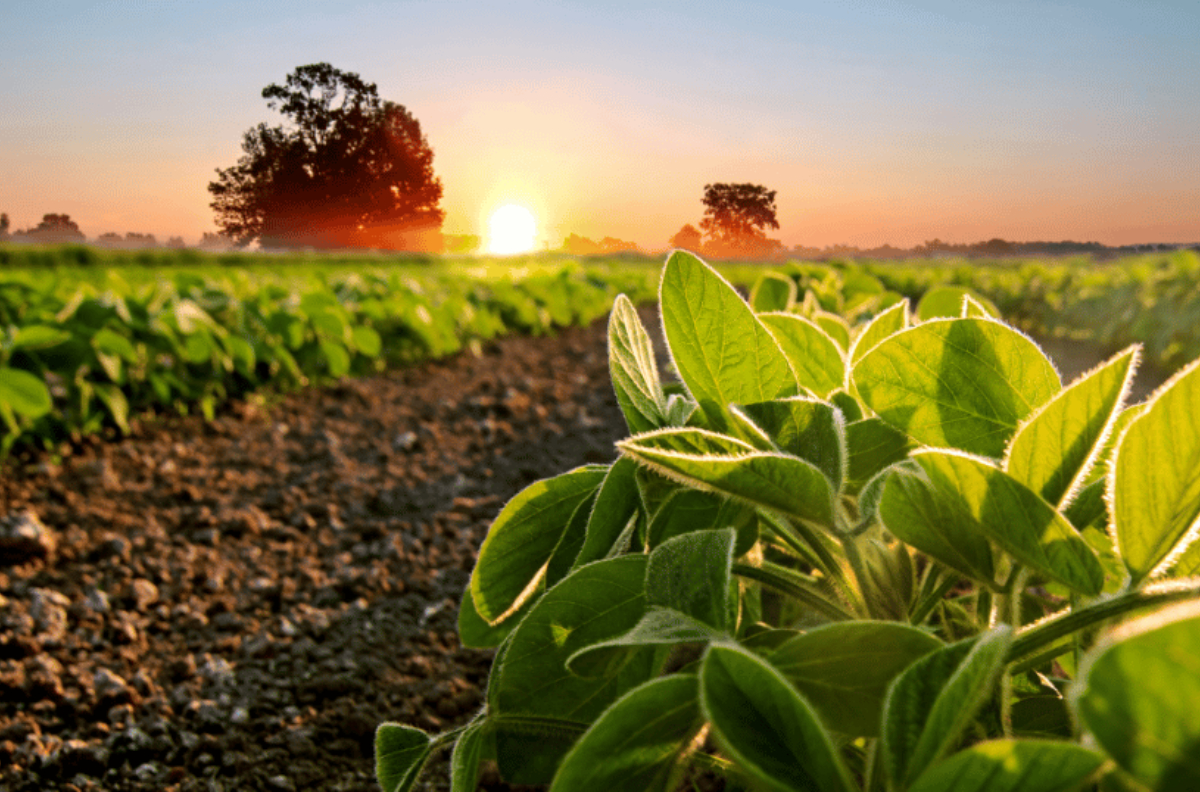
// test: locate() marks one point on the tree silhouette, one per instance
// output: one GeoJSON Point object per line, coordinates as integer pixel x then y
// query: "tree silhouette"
{"type": "Point", "coordinates": [4, 226]}
{"type": "Point", "coordinates": [54, 229]}
{"type": "Point", "coordinates": [688, 238]}
{"type": "Point", "coordinates": [350, 170]}
{"type": "Point", "coordinates": [735, 216]}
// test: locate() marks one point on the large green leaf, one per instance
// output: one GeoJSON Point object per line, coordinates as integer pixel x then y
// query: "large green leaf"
{"type": "Point", "coordinates": [24, 393]}
{"type": "Point", "coordinates": [595, 603]}
{"type": "Point", "coordinates": [1138, 694]}
{"type": "Point", "coordinates": [989, 502]}
{"type": "Point", "coordinates": [947, 301]}
{"type": "Point", "coordinates": [633, 369]}
{"type": "Point", "coordinates": [473, 631]}
{"type": "Point", "coordinates": [723, 353]}
{"type": "Point", "coordinates": [722, 464]}
{"type": "Point", "coordinates": [806, 428]}
{"type": "Point", "coordinates": [932, 701]}
{"type": "Point", "coordinates": [637, 743]}
{"type": "Point", "coordinates": [887, 323]}
{"type": "Point", "coordinates": [659, 627]}
{"type": "Point", "coordinates": [1012, 766]}
{"type": "Point", "coordinates": [958, 383]}
{"type": "Point", "coordinates": [915, 511]}
{"type": "Point", "coordinates": [616, 504]}
{"type": "Point", "coordinates": [400, 752]}
{"type": "Point", "coordinates": [466, 757]}
{"type": "Point", "coordinates": [815, 356]}
{"type": "Point", "coordinates": [872, 445]}
{"type": "Point", "coordinates": [766, 725]}
{"type": "Point", "coordinates": [844, 669]}
{"type": "Point", "coordinates": [1154, 483]}
{"type": "Point", "coordinates": [1055, 449]}
{"type": "Point", "coordinates": [773, 291]}
{"type": "Point", "coordinates": [691, 574]}
{"type": "Point", "coordinates": [523, 537]}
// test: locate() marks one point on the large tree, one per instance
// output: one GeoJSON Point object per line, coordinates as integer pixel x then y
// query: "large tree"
{"type": "Point", "coordinates": [348, 170]}
{"type": "Point", "coordinates": [735, 218]}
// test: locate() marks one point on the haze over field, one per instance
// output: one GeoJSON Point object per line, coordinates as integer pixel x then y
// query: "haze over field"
{"type": "Point", "coordinates": [876, 122]}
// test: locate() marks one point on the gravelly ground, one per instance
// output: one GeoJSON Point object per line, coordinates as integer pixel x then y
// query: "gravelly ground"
{"type": "Point", "coordinates": [237, 605]}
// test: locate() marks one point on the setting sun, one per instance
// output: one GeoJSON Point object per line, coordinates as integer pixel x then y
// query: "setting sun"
{"type": "Point", "coordinates": [511, 229]}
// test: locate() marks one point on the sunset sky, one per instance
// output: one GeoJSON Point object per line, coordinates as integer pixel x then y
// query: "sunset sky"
{"type": "Point", "coordinates": [876, 122]}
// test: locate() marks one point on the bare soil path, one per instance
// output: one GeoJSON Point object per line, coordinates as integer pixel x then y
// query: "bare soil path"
{"type": "Point", "coordinates": [237, 605]}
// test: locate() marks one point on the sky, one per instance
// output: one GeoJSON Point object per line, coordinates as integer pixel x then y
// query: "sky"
{"type": "Point", "coordinates": [875, 122]}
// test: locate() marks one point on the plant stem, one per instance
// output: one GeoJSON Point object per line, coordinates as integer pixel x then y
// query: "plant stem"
{"type": "Point", "coordinates": [794, 584]}
{"type": "Point", "coordinates": [930, 599]}
{"type": "Point", "coordinates": [1048, 631]}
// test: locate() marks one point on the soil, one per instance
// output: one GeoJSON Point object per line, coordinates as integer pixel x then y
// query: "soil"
{"type": "Point", "coordinates": [238, 604]}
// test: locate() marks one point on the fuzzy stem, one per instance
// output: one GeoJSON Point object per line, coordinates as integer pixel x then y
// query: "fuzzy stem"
{"type": "Point", "coordinates": [1045, 633]}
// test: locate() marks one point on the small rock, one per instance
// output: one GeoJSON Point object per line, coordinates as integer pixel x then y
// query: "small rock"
{"type": "Point", "coordinates": [148, 772]}
{"type": "Point", "coordinates": [239, 715]}
{"type": "Point", "coordinates": [49, 611]}
{"type": "Point", "coordinates": [110, 687]}
{"type": "Point", "coordinates": [143, 593]}
{"type": "Point", "coordinates": [217, 671]}
{"type": "Point", "coordinates": [23, 536]}
{"type": "Point", "coordinates": [281, 783]}
{"type": "Point", "coordinates": [97, 601]}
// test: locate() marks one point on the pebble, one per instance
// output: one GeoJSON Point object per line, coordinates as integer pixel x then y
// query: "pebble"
{"type": "Point", "coordinates": [23, 536]}
{"type": "Point", "coordinates": [109, 685]}
{"type": "Point", "coordinates": [97, 601]}
{"type": "Point", "coordinates": [143, 593]}
{"type": "Point", "coordinates": [49, 611]}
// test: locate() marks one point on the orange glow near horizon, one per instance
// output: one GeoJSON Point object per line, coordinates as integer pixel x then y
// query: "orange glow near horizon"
{"type": "Point", "coordinates": [512, 229]}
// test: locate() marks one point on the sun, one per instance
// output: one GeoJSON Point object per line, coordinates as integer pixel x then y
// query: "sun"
{"type": "Point", "coordinates": [511, 229]}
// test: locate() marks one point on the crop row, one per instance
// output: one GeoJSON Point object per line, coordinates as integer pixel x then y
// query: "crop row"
{"type": "Point", "coordinates": [83, 351]}
{"type": "Point", "coordinates": [1153, 299]}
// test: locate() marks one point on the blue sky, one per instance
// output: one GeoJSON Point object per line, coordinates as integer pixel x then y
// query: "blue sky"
{"type": "Point", "coordinates": [875, 121]}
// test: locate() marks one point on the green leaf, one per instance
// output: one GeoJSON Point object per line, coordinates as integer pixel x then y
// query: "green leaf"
{"type": "Point", "coordinates": [1012, 766]}
{"type": "Point", "coordinates": [958, 383]}
{"type": "Point", "coordinates": [723, 353]}
{"type": "Point", "coordinates": [814, 355]}
{"type": "Point", "coordinates": [1055, 448]}
{"type": "Point", "coordinates": [616, 504]}
{"type": "Point", "coordinates": [1138, 692]}
{"type": "Point", "coordinates": [835, 327]}
{"type": "Point", "coordinates": [523, 537]}
{"type": "Point", "coordinates": [851, 409]}
{"type": "Point", "coordinates": [337, 359]}
{"type": "Point", "coordinates": [872, 445]}
{"type": "Point", "coordinates": [637, 743]}
{"type": "Point", "coordinates": [113, 343]}
{"type": "Point", "coordinates": [23, 393]}
{"type": "Point", "coordinates": [914, 510]}
{"type": "Point", "coordinates": [987, 501]}
{"type": "Point", "coordinates": [466, 757]}
{"type": "Point", "coordinates": [367, 341]}
{"type": "Point", "coordinates": [562, 560]}
{"type": "Point", "coordinates": [691, 574]}
{"type": "Point", "coordinates": [595, 603]}
{"type": "Point", "coordinates": [39, 337]}
{"type": "Point", "coordinates": [933, 701]}
{"type": "Point", "coordinates": [887, 323]}
{"type": "Point", "coordinates": [844, 669]}
{"type": "Point", "coordinates": [1154, 483]}
{"type": "Point", "coordinates": [118, 406]}
{"type": "Point", "coordinates": [688, 510]}
{"type": "Point", "coordinates": [766, 725]}
{"type": "Point", "coordinates": [948, 301]}
{"type": "Point", "coordinates": [802, 427]}
{"type": "Point", "coordinates": [659, 627]}
{"type": "Point", "coordinates": [474, 632]}
{"type": "Point", "coordinates": [717, 463]}
{"type": "Point", "coordinates": [400, 752]}
{"type": "Point", "coordinates": [633, 368]}
{"type": "Point", "coordinates": [773, 292]}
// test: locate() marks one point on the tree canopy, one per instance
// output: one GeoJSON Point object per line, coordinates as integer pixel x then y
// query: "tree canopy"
{"type": "Point", "coordinates": [736, 217]}
{"type": "Point", "coordinates": [349, 170]}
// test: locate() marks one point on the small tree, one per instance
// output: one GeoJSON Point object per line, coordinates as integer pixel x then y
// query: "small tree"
{"type": "Point", "coordinates": [688, 238]}
{"type": "Point", "coordinates": [54, 229]}
{"type": "Point", "coordinates": [351, 170]}
{"type": "Point", "coordinates": [4, 226]}
{"type": "Point", "coordinates": [736, 216]}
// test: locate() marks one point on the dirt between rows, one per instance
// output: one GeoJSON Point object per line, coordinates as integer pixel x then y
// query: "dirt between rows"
{"type": "Point", "coordinates": [236, 605]}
